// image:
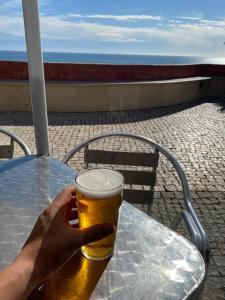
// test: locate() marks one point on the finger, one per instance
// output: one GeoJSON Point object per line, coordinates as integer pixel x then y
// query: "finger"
{"type": "Point", "coordinates": [69, 209]}
{"type": "Point", "coordinates": [75, 225]}
{"type": "Point", "coordinates": [71, 215]}
{"type": "Point", "coordinates": [65, 196]}
{"type": "Point", "coordinates": [61, 202]}
{"type": "Point", "coordinates": [96, 232]}
{"type": "Point", "coordinates": [74, 203]}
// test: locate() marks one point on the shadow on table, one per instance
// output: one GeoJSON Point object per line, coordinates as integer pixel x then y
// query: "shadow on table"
{"type": "Point", "coordinates": [15, 163]}
{"type": "Point", "coordinates": [76, 280]}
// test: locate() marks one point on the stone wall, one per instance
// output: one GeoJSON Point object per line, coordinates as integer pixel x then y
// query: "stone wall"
{"type": "Point", "coordinates": [90, 87]}
{"type": "Point", "coordinates": [10, 70]}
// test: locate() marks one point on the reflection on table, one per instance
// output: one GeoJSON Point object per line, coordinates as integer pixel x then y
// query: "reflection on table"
{"type": "Point", "coordinates": [149, 259]}
{"type": "Point", "coordinates": [75, 281]}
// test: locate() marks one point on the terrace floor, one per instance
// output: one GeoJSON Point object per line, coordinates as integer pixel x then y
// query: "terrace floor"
{"type": "Point", "coordinates": [193, 132]}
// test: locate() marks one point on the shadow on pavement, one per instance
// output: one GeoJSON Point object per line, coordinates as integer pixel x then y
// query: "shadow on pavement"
{"type": "Point", "coordinates": [95, 118]}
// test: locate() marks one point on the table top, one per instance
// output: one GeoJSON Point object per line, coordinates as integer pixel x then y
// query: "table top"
{"type": "Point", "coordinates": [150, 260]}
{"type": "Point", "coordinates": [27, 186]}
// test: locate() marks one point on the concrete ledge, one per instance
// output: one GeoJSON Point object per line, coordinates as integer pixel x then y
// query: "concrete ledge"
{"type": "Point", "coordinates": [105, 96]}
{"type": "Point", "coordinates": [216, 87]}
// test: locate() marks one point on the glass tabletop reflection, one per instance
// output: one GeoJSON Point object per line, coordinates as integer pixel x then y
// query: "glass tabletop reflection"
{"type": "Point", "coordinates": [149, 258]}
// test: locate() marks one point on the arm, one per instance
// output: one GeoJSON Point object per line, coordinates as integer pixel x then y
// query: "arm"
{"type": "Point", "coordinates": [52, 242]}
{"type": "Point", "coordinates": [15, 280]}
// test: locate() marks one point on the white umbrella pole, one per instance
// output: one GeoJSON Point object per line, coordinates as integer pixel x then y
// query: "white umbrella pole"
{"type": "Point", "coordinates": [36, 75]}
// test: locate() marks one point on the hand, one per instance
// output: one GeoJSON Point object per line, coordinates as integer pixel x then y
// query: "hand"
{"type": "Point", "coordinates": [53, 241]}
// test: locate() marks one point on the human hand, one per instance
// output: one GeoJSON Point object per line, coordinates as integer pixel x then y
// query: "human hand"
{"type": "Point", "coordinates": [53, 241]}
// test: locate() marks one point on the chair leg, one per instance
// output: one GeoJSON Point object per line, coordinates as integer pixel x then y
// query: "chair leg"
{"type": "Point", "coordinates": [150, 207]}
{"type": "Point", "coordinates": [175, 223]}
{"type": "Point", "coordinates": [11, 150]}
{"type": "Point", "coordinates": [85, 156]}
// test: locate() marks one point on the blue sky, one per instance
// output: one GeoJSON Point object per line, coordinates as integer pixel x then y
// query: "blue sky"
{"type": "Point", "coordinates": [161, 27]}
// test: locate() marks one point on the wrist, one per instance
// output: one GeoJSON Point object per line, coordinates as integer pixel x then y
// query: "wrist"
{"type": "Point", "coordinates": [16, 280]}
{"type": "Point", "coordinates": [23, 268]}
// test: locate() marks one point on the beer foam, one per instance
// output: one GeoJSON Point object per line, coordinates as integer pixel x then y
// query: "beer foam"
{"type": "Point", "coordinates": [99, 183]}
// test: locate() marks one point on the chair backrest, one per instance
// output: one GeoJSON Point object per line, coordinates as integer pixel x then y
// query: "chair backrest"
{"type": "Point", "coordinates": [6, 151]}
{"type": "Point", "coordinates": [139, 178]}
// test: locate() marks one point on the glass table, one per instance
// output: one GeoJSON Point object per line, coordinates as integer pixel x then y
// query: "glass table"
{"type": "Point", "coordinates": [150, 260]}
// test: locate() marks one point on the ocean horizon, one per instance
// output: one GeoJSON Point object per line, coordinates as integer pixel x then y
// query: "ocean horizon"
{"type": "Point", "coordinates": [122, 59]}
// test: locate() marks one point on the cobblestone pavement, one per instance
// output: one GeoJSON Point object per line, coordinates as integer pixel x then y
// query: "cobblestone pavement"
{"type": "Point", "coordinates": [193, 132]}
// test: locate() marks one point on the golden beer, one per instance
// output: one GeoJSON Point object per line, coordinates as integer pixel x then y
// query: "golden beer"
{"type": "Point", "coordinates": [98, 196]}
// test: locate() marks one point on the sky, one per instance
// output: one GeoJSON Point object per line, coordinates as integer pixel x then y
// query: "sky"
{"type": "Point", "coordinates": [162, 27]}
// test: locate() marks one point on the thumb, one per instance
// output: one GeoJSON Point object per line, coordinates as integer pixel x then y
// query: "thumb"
{"type": "Point", "coordinates": [96, 232]}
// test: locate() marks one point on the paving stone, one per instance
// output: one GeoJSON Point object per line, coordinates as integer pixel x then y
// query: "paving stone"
{"type": "Point", "coordinates": [220, 261]}
{"type": "Point", "coordinates": [193, 132]}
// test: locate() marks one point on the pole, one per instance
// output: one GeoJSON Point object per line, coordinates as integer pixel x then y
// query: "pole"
{"type": "Point", "coordinates": [36, 74]}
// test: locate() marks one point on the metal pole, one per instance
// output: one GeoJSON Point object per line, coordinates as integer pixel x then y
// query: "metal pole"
{"type": "Point", "coordinates": [36, 74]}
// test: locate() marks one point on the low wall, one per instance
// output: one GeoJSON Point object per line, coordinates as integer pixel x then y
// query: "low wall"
{"type": "Point", "coordinates": [11, 70]}
{"type": "Point", "coordinates": [104, 96]}
{"type": "Point", "coordinates": [216, 87]}
{"type": "Point", "coordinates": [93, 87]}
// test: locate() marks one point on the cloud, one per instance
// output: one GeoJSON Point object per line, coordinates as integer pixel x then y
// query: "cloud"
{"type": "Point", "coordinates": [175, 21]}
{"type": "Point", "coordinates": [213, 23]}
{"type": "Point", "coordinates": [196, 38]}
{"type": "Point", "coordinates": [189, 18]}
{"type": "Point", "coordinates": [54, 28]}
{"type": "Point", "coordinates": [57, 28]}
{"type": "Point", "coordinates": [13, 26]}
{"type": "Point", "coordinates": [119, 17]}
{"type": "Point", "coordinates": [200, 39]}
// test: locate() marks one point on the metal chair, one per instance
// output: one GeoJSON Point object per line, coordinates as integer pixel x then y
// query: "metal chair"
{"type": "Point", "coordinates": [6, 151]}
{"type": "Point", "coordinates": [193, 224]}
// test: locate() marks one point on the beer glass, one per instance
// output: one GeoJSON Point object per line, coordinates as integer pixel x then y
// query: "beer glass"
{"type": "Point", "coordinates": [98, 197]}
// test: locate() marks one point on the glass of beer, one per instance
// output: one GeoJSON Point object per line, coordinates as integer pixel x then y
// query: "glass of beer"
{"type": "Point", "coordinates": [98, 197]}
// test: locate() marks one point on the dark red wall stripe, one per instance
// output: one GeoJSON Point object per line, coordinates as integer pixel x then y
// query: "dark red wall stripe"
{"type": "Point", "coordinates": [10, 70]}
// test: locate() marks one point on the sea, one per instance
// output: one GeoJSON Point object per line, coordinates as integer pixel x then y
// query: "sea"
{"type": "Point", "coordinates": [119, 59]}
